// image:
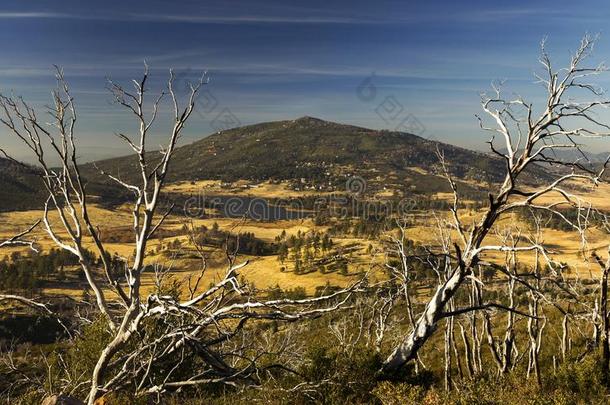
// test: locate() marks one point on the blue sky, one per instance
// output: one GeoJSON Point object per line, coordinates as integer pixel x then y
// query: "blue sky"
{"type": "Point", "coordinates": [271, 60]}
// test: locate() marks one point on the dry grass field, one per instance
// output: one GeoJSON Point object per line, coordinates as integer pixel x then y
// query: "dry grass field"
{"type": "Point", "coordinates": [265, 271]}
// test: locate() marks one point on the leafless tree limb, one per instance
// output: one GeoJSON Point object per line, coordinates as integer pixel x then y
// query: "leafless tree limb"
{"type": "Point", "coordinates": [525, 142]}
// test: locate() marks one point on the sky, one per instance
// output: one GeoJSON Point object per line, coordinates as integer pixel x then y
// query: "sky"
{"type": "Point", "coordinates": [406, 65]}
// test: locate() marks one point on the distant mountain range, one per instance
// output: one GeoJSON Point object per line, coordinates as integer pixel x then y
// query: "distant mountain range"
{"type": "Point", "coordinates": [584, 156]}
{"type": "Point", "coordinates": [307, 151]}
{"type": "Point", "coordinates": [572, 155]}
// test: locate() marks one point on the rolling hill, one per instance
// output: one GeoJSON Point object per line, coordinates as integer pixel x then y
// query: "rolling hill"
{"type": "Point", "coordinates": [21, 186]}
{"type": "Point", "coordinates": [320, 153]}
{"type": "Point", "coordinates": [307, 152]}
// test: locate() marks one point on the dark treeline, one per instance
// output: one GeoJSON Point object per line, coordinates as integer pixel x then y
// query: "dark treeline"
{"type": "Point", "coordinates": [243, 242]}
{"type": "Point", "coordinates": [28, 274]}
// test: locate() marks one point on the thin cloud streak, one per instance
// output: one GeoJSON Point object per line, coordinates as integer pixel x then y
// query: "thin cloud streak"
{"type": "Point", "coordinates": [251, 19]}
{"type": "Point", "coordinates": [193, 19]}
{"type": "Point", "coordinates": [258, 70]}
{"type": "Point", "coordinates": [483, 15]}
{"type": "Point", "coordinates": [34, 14]}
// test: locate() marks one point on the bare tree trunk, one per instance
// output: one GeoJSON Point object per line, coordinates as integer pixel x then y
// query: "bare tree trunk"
{"type": "Point", "coordinates": [564, 337]}
{"type": "Point", "coordinates": [595, 317]}
{"type": "Point", "coordinates": [448, 355]}
{"type": "Point", "coordinates": [491, 342]}
{"type": "Point", "coordinates": [532, 328]}
{"type": "Point", "coordinates": [425, 325]}
{"type": "Point", "coordinates": [605, 349]}
{"type": "Point", "coordinates": [476, 299]}
{"type": "Point", "coordinates": [121, 337]}
{"type": "Point", "coordinates": [534, 333]}
{"type": "Point", "coordinates": [467, 352]}
{"type": "Point", "coordinates": [509, 336]}
{"type": "Point", "coordinates": [456, 353]}
{"type": "Point", "coordinates": [604, 333]}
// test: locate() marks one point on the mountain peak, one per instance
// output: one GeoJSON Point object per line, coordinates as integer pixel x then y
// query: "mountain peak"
{"type": "Point", "coordinates": [321, 151]}
{"type": "Point", "coordinates": [307, 120]}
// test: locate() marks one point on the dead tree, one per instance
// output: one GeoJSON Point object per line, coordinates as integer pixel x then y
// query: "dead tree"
{"type": "Point", "coordinates": [400, 265]}
{"type": "Point", "coordinates": [603, 309]}
{"type": "Point", "coordinates": [529, 138]}
{"type": "Point", "coordinates": [603, 325]}
{"type": "Point", "coordinates": [402, 272]}
{"type": "Point", "coordinates": [535, 327]}
{"type": "Point", "coordinates": [503, 353]}
{"type": "Point", "coordinates": [158, 342]}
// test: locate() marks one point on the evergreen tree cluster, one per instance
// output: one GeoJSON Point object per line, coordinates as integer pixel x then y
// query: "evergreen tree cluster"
{"type": "Point", "coordinates": [304, 249]}
{"type": "Point", "coordinates": [243, 242]}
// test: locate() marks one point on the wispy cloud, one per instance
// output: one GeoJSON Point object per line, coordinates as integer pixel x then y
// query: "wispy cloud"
{"type": "Point", "coordinates": [193, 19]}
{"type": "Point", "coordinates": [288, 16]}
{"type": "Point", "coordinates": [33, 14]}
{"type": "Point", "coordinates": [259, 19]}
{"type": "Point", "coordinates": [24, 71]}
{"type": "Point", "coordinates": [317, 17]}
